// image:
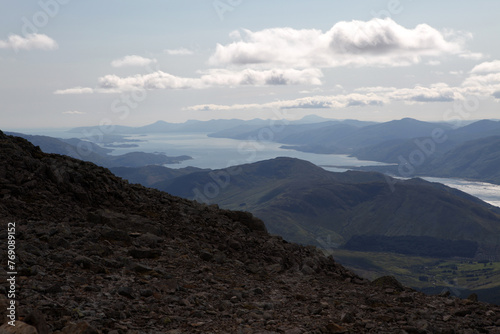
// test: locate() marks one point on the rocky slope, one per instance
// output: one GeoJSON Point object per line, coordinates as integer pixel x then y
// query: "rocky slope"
{"type": "Point", "coordinates": [97, 255]}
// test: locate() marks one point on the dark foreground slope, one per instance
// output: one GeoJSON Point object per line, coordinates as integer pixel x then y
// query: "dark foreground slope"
{"type": "Point", "coordinates": [97, 255]}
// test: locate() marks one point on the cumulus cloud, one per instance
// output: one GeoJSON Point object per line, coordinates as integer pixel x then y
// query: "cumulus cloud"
{"type": "Point", "coordinates": [211, 78]}
{"type": "Point", "coordinates": [312, 102]}
{"type": "Point", "coordinates": [487, 67]}
{"type": "Point", "coordinates": [74, 112]}
{"type": "Point", "coordinates": [132, 60]}
{"type": "Point", "coordinates": [155, 80]}
{"type": "Point", "coordinates": [75, 90]}
{"type": "Point", "coordinates": [439, 92]}
{"type": "Point", "coordinates": [484, 79]}
{"type": "Point", "coordinates": [223, 77]}
{"type": "Point", "coordinates": [29, 42]}
{"type": "Point", "coordinates": [378, 42]}
{"type": "Point", "coordinates": [179, 52]}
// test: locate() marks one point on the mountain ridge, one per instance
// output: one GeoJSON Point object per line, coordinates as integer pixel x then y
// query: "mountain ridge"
{"type": "Point", "coordinates": [311, 199]}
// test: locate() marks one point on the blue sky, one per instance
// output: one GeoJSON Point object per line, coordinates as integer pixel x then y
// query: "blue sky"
{"type": "Point", "coordinates": [67, 63]}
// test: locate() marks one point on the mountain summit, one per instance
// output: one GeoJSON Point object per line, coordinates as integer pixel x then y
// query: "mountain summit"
{"type": "Point", "coordinates": [95, 254]}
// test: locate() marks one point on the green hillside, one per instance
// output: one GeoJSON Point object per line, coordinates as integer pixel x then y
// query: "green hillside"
{"type": "Point", "coordinates": [303, 203]}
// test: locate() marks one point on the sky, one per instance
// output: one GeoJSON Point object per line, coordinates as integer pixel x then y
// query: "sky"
{"type": "Point", "coordinates": [67, 63]}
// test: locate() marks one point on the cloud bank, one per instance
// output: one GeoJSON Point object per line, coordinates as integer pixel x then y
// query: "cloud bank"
{"type": "Point", "coordinates": [212, 78]}
{"type": "Point", "coordinates": [367, 96]}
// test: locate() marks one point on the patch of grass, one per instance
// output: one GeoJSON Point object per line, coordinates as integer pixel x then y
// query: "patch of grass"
{"type": "Point", "coordinates": [422, 272]}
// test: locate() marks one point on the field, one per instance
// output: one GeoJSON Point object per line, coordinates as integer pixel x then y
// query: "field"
{"type": "Point", "coordinates": [460, 276]}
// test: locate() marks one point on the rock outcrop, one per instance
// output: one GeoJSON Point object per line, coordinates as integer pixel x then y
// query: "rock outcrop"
{"type": "Point", "coordinates": [95, 254]}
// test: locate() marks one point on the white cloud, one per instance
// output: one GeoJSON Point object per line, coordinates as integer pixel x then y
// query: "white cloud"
{"type": "Point", "coordinates": [132, 60]}
{"type": "Point", "coordinates": [312, 102]}
{"type": "Point", "coordinates": [155, 80]}
{"type": "Point", "coordinates": [487, 67]}
{"type": "Point", "coordinates": [222, 77]}
{"type": "Point", "coordinates": [211, 78]}
{"type": "Point", "coordinates": [75, 90]}
{"type": "Point", "coordinates": [378, 42]}
{"type": "Point", "coordinates": [439, 92]}
{"type": "Point", "coordinates": [30, 42]}
{"type": "Point", "coordinates": [179, 52]}
{"type": "Point", "coordinates": [315, 90]}
{"type": "Point", "coordinates": [433, 63]}
{"type": "Point", "coordinates": [471, 55]}
{"type": "Point", "coordinates": [74, 112]}
{"type": "Point", "coordinates": [484, 79]}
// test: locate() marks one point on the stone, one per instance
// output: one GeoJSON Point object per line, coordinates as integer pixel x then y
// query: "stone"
{"type": "Point", "coordinates": [295, 330]}
{"type": "Point", "coordinates": [82, 327]}
{"type": "Point", "coordinates": [334, 328]}
{"type": "Point", "coordinates": [37, 319]}
{"type": "Point", "coordinates": [140, 268]}
{"type": "Point", "coordinates": [388, 282]}
{"type": "Point", "coordinates": [473, 297]}
{"type": "Point", "coordinates": [83, 262]}
{"type": "Point", "coordinates": [306, 270]}
{"type": "Point", "coordinates": [146, 292]}
{"type": "Point", "coordinates": [19, 328]}
{"type": "Point", "coordinates": [206, 256]}
{"type": "Point", "coordinates": [348, 317]}
{"type": "Point", "coordinates": [126, 292]}
{"type": "Point", "coordinates": [144, 253]}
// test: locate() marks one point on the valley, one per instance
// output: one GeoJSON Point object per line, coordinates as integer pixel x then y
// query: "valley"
{"type": "Point", "coordinates": [460, 276]}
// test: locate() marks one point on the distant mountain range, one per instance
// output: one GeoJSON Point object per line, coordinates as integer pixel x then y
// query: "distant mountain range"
{"type": "Point", "coordinates": [388, 151]}
{"type": "Point", "coordinates": [475, 159]}
{"type": "Point", "coordinates": [342, 136]}
{"type": "Point", "coordinates": [419, 148]}
{"type": "Point", "coordinates": [210, 126]}
{"type": "Point", "coordinates": [89, 151]}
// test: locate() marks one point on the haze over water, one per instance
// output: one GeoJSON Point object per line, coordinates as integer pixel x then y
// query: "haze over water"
{"type": "Point", "coordinates": [215, 153]}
